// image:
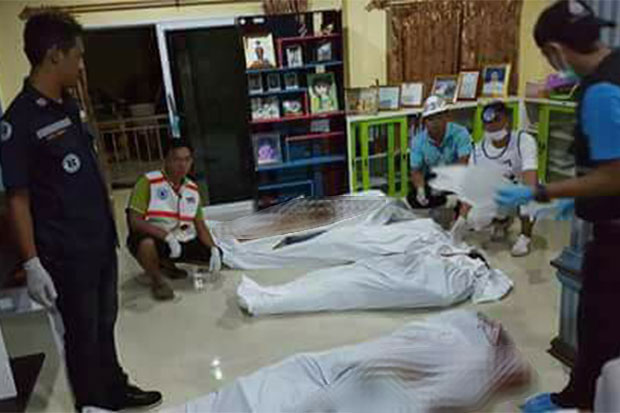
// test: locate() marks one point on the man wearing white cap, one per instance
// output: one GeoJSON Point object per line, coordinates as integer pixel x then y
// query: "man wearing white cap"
{"type": "Point", "coordinates": [439, 142]}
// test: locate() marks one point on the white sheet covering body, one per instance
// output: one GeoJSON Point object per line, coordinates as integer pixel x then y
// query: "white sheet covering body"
{"type": "Point", "coordinates": [451, 360]}
{"type": "Point", "coordinates": [345, 242]}
{"type": "Point", "coordinates": [427, 275]}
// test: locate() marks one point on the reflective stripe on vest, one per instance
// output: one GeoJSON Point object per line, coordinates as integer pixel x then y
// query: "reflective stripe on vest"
{"type": "Point", "coordinates": [167, 207]}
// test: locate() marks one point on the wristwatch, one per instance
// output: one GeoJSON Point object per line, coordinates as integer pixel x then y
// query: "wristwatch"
{"type": "Point", "coordinates": [541, 194]}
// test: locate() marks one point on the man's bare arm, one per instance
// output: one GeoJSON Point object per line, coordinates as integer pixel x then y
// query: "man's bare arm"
{"type": "Point", "coordinates": [20, 216]}
{"type": "Point", "coordinates": [602, 181]}
{"type": "Point", "coordinates": [204, 235]}
{"type": "Point", "coordinates": [417, 178]}
{"type": "Point", "coordinates": [137, 223]}
{"type": "Point", "coordinates": [530, 178]}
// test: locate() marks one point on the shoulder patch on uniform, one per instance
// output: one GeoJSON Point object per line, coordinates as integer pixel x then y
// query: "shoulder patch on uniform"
{"type": "Point", "coordinates": [6, 131]}
{"type": "Point", "coordinates": [71, 163]}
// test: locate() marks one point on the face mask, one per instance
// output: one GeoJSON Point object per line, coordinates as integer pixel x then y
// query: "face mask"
{"type": "Point", "coordinates": [564, 69]}
{"type": "Point", "coordinates": [496, 136]}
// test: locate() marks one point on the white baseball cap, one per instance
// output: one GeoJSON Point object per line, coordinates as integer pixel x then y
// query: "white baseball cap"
{"type": "Point", "coordinates": [434, 105]}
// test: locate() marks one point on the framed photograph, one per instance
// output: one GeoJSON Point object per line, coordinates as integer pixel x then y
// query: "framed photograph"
{"type": "Point", "coordinates": [266, 108]}
{"type": "Point", "coordinates": [255, 83]}
{"type": "Point", "coordinates": [362, 101]}
{"type": "Point", "coordinates": [271, 107]}
{"type": "Point", "coordinates": [468, 85]}
{"type": "Point", "coordinates": [273, 82]}
{"type": "Point", "coordinates": [389, 98]}
{"type": "Point", "coordinates": [495, 80]}
{"type": "Point", "coordinates": [292, 107]}
{"type": "Point", "coordinates": [324, 53]}
{"type": "Point", "coordinates": [323, 94]}
{"type": "Point", "coordinates": [294, 56]}
{"type": "Point", "coordinates": [267, 149]}
{"type": "Point", "coordinates": [320, 126]}
{"type": "Point", "coordinates": [411, 94]}
{"type": "Point", "coordinates": [445, 87]}
{"type": "Point", "coordinates": [291, 81]}
{"type": "Point", "coordinates": [259, 52]}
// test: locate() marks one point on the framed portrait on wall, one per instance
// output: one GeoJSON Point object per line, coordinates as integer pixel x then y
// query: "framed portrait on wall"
{"type": "Point", "coordinates": [468, 85]}
{"type": "Point", "coordinates": [495, 80]}
{"type": "Point", "coordinates": [259, 52]}
{"type": "Point", "coordinates": [389, 98]}
{"type": "Point", "coordinates": [444, 86]}
{"type": "Point", "coordinates": [411, 94]}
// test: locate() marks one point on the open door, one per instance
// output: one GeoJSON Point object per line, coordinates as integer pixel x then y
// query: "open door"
{"type": "Point", "coordinates": [204, 74]}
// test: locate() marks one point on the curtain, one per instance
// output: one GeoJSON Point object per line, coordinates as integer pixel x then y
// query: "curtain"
{"type": "Point", "coordinates": [285, 6]}
{"type": "Point", "coordinates": [439, 37]}
{"type": "Point", "coordinates": [490, 35]}
{"type": "Point", "coordinates": [424, 40]}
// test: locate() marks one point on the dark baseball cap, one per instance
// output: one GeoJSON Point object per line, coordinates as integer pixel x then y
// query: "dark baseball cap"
{"type": "Point", "coordinates": [571, 22]}
{"type": "Point", "coordinates": [491, 112]}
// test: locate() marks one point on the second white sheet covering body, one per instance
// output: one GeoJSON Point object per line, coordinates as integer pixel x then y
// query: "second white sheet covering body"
{"type": "Point", "coordinates": [454, 360]}
{"type": "Point", "coordinates": [427, 275]}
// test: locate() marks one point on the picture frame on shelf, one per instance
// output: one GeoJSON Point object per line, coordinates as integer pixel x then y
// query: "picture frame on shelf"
{"type": "Point", "coordinates": [411, 94]}
{"type": "Point", "coordinates": [320, 126]}
{"type": "Point", "coordinates": [255, 84]}
{"type": "Point", "coordinates": [291, 81]}
{"type": "Point", "coordinates": [467, 88]}
{"type": "Point", "coordinates": [389, 97]}
{"type": "Point", "coordinates": [267, 148]}
{"type": "Point", "coordinates": [362, 101]}
{"type": "Point", "coordinates": [495, 80]}
{"type": "Point", "coordinates": [444, 86]}
{"type": "Point", "coordinates": [325, 52]}
{"type": "Point", "coordinates": [259, 52]}
{"type": "Point", "coordinates": [273, 82]}
{"type": "Point", "coordinates": [294, 56]}
{"type": "Point", "coordinates": [271, 107]}
{"type": "Point", "coordinates": [292, 107]}
{"type": "Point", "coordinates": [265, 108]}
{"type": "Point", "coordinates": [323, 93]}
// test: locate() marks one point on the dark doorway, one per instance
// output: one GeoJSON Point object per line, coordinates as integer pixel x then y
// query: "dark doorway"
{"type": "Point", "coordinates": [208, 73]}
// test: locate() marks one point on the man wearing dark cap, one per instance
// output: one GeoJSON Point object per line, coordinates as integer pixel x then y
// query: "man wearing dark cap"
{"type": "Point", "coordinates": [569, 35]}
{"type": "Point", "coordinates": [515, 153]}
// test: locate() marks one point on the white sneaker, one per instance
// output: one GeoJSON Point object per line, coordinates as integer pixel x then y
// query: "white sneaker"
{"type": "Point", "coordinates": [521, 247]}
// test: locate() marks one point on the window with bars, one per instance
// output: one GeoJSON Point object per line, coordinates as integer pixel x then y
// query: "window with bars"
{"type": "Point", "coordinates": [610, 10]}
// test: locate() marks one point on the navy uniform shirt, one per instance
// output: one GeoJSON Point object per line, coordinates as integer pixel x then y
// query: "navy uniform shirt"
{"type": "Point", "coordinates": [45, 148]}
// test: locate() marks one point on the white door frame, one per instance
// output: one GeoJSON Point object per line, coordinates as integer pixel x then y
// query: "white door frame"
{"type": "Point", "coordinates": [162, 29]}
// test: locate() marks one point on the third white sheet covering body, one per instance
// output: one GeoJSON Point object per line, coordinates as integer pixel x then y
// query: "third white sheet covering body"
{"type": "Point", "coordinates": [381, 261]}
{"type": "Point", "coordinates": [453, 360]}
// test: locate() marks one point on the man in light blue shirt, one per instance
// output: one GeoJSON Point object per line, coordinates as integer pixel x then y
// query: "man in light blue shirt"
{"type": "Point", "coordinates": [440, 143]}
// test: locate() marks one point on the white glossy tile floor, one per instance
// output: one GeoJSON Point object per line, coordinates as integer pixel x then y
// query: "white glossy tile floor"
{"type": "Point", "coordinates": [172, 346]}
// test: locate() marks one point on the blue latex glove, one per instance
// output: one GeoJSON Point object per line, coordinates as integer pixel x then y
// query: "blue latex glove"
{"type": "Point", "coordinates": [512, 196]}
{"type": "Point", "coordinates": [539, 404]}
{"type": "Point", "coordinates": [565, 209]}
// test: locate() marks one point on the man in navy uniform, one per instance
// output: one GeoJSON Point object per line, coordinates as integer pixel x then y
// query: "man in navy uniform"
{"type": "Point", "coordinates": [59, 207]}
{"type": "Point", "coordinates": [568, 33]}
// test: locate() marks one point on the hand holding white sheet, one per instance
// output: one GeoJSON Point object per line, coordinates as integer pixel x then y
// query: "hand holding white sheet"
{"type": "Point", "coordinates": [475, 185]}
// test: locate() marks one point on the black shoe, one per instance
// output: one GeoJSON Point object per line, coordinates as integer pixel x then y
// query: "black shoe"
{"type": "Point", "coordinates": [132, 397]}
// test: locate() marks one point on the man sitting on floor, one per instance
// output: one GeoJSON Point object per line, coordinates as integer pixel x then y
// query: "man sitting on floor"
{"type": "Point", "coordinates": [439, 143]}
{"type": "Point", "coordinates": [516, 153]}
{"type": "Point", "coordinates": [166, 222]}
